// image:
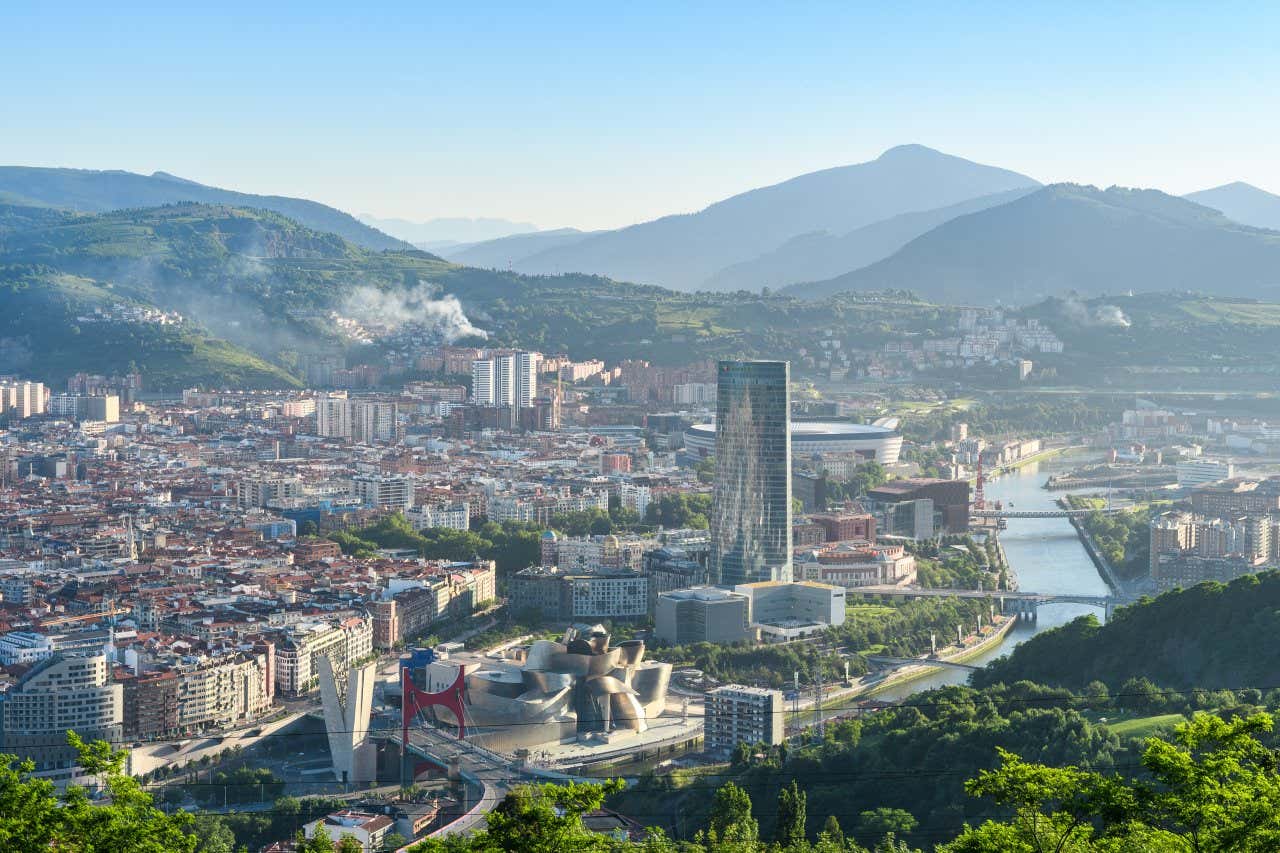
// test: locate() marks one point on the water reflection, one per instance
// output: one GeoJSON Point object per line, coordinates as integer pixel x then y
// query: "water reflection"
{"type": "Point", "coordinates": [1045, 553]}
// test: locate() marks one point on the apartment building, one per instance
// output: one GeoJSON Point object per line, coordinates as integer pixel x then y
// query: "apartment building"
{"type": "Point", "coordinates": [362, 421]}
{"type": "Point", "coordinates": [65, 692]}
{"type": "Point", "coordinates": [736, 714]}
{"type": "Point", "coordinates": [383, 491]}
{"type": "Point", "coordinates": [265, 490]}
{"type": "Point", "coordinates": [296, 669]}
{"type": "Point", "coordinates": [454, 516]}
{"type": "Point", "coordinates": [409, 608]}
{"type": "Point", "coordinates": [187, 698]}
{"type": "Point", "coordinates": [562, 596]}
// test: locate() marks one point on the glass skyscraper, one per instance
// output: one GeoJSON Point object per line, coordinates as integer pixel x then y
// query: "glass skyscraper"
{"type": "Point", "coordinates": [751, 503]}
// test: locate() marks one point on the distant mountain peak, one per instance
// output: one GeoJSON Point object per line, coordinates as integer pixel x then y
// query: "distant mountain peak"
{"type": "Point", "coordinates": [1242, 202]}
{"type": "Point", "coordinates": [166, 176]}
{"type": "Point", "coordinates": [910, 150]}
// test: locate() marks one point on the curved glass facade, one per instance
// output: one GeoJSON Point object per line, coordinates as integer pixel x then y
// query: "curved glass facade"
{"type": "Point", "coordinates": [751, 503]}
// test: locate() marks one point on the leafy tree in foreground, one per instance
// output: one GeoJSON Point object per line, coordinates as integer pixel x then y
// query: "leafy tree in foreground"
{"type": "Point", "coordinates": [1213, 788]}
{"type": "Point", "coordinates": [791, 816]}
{"type": "Point", "coordinates": [34, 818]}
{"type": "Point", "coordinates": [731, 822]}
{"type": "Point", "coordinates": [536, 819]}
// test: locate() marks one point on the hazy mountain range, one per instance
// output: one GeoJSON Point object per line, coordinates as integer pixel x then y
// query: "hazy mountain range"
{"type": "Point", "coordinates": [831, 230]}
{"type": "Point", "coordinates": [505, 252]}
{"type": "Point", "coordinates": [93, 191]}
{"type": "Point", "coordinates": [447, 232]}
{"type": "Point", "coordinates": [685, 251]}
{"type": "Point", "coordinates": [913, 218]}
{"type": "Point", "coordinates": [1068, 237]}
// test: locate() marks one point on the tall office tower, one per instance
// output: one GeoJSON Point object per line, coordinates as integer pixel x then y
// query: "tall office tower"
{"type": "Point", "coordinates": [504, 380]}
{"type": "Point", "coordinates": [751, 501]}
{"type": "Point", "coordinates": [482, 382]}
{"type": "Point", "coordinates": [526, 378]}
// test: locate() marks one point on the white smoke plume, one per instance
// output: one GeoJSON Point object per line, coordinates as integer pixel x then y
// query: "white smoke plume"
{"type": "Point", "coordinates": [1110, 315]}
{"type": "Point", "coordinates": [1099, 315]}
{"type": "Point", "coordinates": [420, 305]}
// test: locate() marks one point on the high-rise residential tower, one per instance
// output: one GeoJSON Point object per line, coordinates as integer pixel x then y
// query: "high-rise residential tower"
{"type": "Point", "coordinates": [526, 385]}
{"type": "Point", "coordinates": [482, 382]}
{"type": "Point", "coordinates": [504, 380]}
{"type": "Point", "coordinates": [751, 502]}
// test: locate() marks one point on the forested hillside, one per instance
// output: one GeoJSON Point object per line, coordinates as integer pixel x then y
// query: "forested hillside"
{"type": "Point", "coordinates": [1210, 636]}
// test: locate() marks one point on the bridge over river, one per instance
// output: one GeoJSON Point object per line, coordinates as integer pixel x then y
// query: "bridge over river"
{"type": "Point", "coordinates": [1040, 513]}
{"type": "Point", "coordinates": [1025, 602]}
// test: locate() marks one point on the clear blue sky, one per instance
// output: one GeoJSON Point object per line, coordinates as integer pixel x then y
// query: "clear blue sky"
{"type": "Point", "coordinates": [588, 115]}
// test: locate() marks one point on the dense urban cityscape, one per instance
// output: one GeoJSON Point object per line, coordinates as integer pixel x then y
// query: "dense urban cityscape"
{"type": "Point", "coordinates": [532, 428]}
{"type": "Point", "coordinates": [202, 577]}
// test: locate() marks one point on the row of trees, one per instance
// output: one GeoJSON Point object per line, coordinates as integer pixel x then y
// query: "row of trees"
{"type": "Point", "coordinates": [515, 545]}
{"type": "Point", "coordinates": [1213, 786]}
{"type": "Point", "coordinates": [511, 545]}
{"type": "Point", "coordinates": [1124, 538]}
{"type": "Point", "coordinates": [902, 630]}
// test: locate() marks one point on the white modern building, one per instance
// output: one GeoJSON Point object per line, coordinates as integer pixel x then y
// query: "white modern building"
{"type": "Point", "coordinates": [816, 438]}
{"type": "Point", "coordinates": [526, 378]}
{"type": "Point", "coordinates": [783, 610]}
{"type": "Point", "coordinates": [505, 379]}
{"type": "Point", "coordinates": [60, 694]}
{"type": "Point", "coordinates": [383, 491]}
{"type": "Point", "coordinates": [483, 383]}
{"type": "Point", "coordinates": [1196, 472]}
{"type": "Point", "coordinates": [455, 516]}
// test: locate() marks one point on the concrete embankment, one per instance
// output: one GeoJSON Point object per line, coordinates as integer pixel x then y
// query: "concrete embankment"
{"type": "Point", "coordinates": [1105, 569]}
{"type": "Point", "coordinates": [911, 673]}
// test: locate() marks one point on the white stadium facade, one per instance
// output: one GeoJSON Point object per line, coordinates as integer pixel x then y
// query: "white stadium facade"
{"type": "Point", "coordinates": [816, 438]}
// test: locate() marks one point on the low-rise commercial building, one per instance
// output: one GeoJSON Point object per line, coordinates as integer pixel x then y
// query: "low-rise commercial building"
{"type": "Point", "coordinates": [704, 614]}
{"type": "Point", "coordinates": [1197, 472]}
{"type": "Point", "coordinates": [788, 610]}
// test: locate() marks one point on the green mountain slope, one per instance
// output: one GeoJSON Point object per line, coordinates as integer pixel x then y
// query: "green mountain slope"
{"type": "Point", "coordinates": [97, 191]}
{"type": "Point", "coordinates": [268, 285]}
{"type": "Point", "coordinates": [1211, 636]}
{"type": "Point", "coordinates": [1069, 237]}
{"type": "Point", "coordinates": [49, 329]}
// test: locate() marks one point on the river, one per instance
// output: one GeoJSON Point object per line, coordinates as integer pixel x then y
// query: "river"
{"type": "Point", "coordinates": [1046, 555]}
